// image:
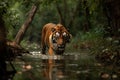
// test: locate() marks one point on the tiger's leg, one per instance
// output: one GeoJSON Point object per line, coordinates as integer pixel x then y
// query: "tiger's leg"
{"type": "Point", "coordinates": [43, 45]}
{"type": "Point", "coordinates": [43, 49]}
{"type": "Point", "coordinates": [50, 51]}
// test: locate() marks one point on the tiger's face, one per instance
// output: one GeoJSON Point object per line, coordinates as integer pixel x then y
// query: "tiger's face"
{"type": "Point", "coordinates": [60, 36]}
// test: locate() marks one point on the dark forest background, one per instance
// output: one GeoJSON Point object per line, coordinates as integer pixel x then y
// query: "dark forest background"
{"type": "Point", "coordinates": [94, 24]}
{"type": "Point", "coordinates": [91, 22]}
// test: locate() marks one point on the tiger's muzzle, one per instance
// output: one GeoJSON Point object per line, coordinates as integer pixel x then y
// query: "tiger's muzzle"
{"type": "Point", "coordinates": [59, 48]}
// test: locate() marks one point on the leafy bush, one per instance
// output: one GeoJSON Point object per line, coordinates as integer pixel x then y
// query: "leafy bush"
{"type": "Point", "coordinates": [87, 40]}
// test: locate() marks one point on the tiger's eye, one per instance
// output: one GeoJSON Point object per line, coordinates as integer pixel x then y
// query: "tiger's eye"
{"type": "Point", "coordinates": [57, 34]}
{"type": "Point", "coordinates": [64, 34]}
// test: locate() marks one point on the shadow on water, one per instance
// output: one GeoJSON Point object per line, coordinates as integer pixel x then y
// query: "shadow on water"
{"type": "Point", "coordinates": [66, 67]}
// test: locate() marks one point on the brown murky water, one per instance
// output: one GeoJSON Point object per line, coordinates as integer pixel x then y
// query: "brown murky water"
{"type": "Point", "coordinates": [77, 66]}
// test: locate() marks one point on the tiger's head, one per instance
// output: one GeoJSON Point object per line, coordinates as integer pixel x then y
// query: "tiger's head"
{"type": "Point", "coordinates": [60, 36]}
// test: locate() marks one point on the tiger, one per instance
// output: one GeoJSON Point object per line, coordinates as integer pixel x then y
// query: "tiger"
{"type": "Point", "coordinates": [54, 38]}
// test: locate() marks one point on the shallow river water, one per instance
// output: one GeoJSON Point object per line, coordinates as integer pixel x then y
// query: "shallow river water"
{"type": "Point", "coordinates": [77, 66]}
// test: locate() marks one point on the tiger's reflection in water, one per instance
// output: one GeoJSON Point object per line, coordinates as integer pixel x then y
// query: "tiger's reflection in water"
{"type": "Point", "coordinates": [53, 69]}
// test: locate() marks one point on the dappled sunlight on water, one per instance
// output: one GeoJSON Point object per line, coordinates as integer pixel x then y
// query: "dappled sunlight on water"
{"type": "Point", "coordinates": [77, 66]}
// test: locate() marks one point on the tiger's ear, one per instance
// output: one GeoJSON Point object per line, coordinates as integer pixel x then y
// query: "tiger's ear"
{"type": "Point", "coordinates": [53, 29]}
{"type": "Point", "coordinates": [69, 38]}
{"type": "Point", "coordinates": [68, 29]}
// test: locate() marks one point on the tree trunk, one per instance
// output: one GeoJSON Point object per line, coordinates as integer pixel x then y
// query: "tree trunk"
{"type": "Point", "coordinates": [63, 13]}
{"type": "Point", "coordinates": [87, 16]}
{"type": "Point", "coordinates": [2, 49]}
{"type": "Point", "coordinates": [61, 20]}
{"type": "Point", "coordinates": [25, 26]}
{"type": "Point", "coordinates": [2, 36]}
{"type": "Point", "coordinates": [76, 11]}
{"type": "Point", "coordinates": [4, 73]}
{"type": "Point", "coordinates": [112, 9]}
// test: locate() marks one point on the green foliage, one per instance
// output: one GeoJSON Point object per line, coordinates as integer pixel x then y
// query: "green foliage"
{"type": "Point", "coordinates": [13, 19]}
{"type": "Point", "coordinates": [3, 6]}
{"type": "Point", "coordinates": [88, 40]}
{"type": "Point", "coordinates": [17, 13]}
